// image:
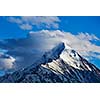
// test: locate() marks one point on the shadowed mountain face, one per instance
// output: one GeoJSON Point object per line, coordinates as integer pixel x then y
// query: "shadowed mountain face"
{"type": "Point", "coordinates": [61, 64]}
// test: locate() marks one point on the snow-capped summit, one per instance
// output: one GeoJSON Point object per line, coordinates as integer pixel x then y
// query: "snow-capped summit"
{"type": "Point", "coordinates": [54, 53]}
{"type": "Point", "coordinates": [60, 64]}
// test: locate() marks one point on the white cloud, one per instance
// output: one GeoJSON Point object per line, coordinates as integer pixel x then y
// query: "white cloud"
{"type": "Point", "coordinates": [87, 36]}
{"type": "Point", "coordinates": [27, 22]}
{"type": "Point", "coordinates": [26, 51]}
{"type": "Point", "coordinates": [26, 26]}
{"type": "Point", "coordinates": [6, 62]}
{"type": "Point", "coordinates": [82, 42]}
{"type": "Point", "coordinates": [15, 20]}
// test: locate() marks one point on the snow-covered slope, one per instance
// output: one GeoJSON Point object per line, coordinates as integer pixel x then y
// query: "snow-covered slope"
{"type": "Point", "coordinates": [61, 64]}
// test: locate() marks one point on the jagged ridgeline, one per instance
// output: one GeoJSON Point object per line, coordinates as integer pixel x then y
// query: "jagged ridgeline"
{"type": "Point", "coordinates": [61, 64]}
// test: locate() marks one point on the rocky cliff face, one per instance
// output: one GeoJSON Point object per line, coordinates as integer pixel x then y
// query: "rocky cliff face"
{"type": "Point", "coordinates": [61, 64]}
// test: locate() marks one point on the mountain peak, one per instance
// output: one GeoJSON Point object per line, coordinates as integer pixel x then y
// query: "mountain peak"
{"type": "Point", "coordinates": [54, 53]}
{"type": "Point", "coordinates": [60, 64]}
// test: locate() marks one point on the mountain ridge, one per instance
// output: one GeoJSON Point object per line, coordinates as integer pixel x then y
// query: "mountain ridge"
{"type": "Point", "coordinates": [57, 65]}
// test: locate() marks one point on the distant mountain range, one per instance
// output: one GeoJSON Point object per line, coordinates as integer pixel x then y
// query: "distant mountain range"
{"type": "Point", "coordinates": [61, 64]}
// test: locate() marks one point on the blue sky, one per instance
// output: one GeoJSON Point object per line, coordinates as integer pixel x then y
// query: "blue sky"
{"type": "Point", "coordinates": [90, 24]}
{"type": "Point", "coordinates": [10, 30]}
{"type": "Point", "coordinates": [17, 27]}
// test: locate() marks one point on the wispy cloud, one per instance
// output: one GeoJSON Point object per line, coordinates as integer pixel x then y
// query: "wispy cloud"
{"type": "Point", "coordinates": [87, 36]}
{"type": "Point", "coordinates": [27, 22]}
{"type": "Point", "coordinates": [25, 50]}
{"type": "Point", "coordinates": [26, 26]}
